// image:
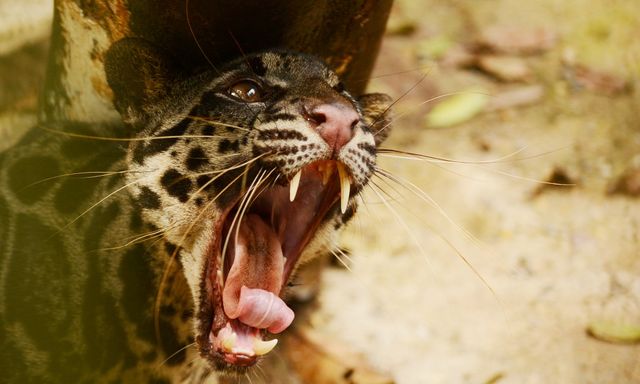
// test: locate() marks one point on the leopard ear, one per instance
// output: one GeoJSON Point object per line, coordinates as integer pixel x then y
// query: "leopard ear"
{"type": "Point", "coordinates": [141, 77]}
{"type": "Point", "coordinates": [376, 109]}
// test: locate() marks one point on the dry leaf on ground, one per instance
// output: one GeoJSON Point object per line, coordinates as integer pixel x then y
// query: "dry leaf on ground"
{"type": "Point", "coordinates": [596, 81]}
{"type": "Point", "coordinates": [516, 39]}
{"type": "Point", "coordinates": [505, 68]}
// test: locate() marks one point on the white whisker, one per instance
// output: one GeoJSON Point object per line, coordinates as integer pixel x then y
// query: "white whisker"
{"type": "Point", "coordinates": [407, 230]}
{"type": "Point", "coordinates": [175, 353]}
{"type": "Point", "coordinates": [426, 198]}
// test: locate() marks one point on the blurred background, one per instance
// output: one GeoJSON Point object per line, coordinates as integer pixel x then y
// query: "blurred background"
{"type": "Point", "coordinates": [509, 252]}
{"type": "Point", "coordinates": [24, 30]}
{"type": "Point", "coordinates": [476, 267]}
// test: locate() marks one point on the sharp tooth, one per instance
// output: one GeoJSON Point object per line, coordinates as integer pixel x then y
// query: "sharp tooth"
{"type": "Point", "coordinates": [229, 342]}
{"type": "Point", "coordinates": [261, 347]}
{"type": "Point", "coordinates": [345, 187]}
{"type": "Point", "coordinates": [295, 182]}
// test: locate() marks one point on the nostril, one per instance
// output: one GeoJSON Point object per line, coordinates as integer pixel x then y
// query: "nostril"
{"type": "Point", "coordinates": [317, 117]}
{"type": "Point", "coordinates": [313, 116]}
{"type": "Point", "coordinates": [354, 123]}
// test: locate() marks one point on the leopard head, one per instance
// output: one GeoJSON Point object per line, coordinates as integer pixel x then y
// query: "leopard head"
{"type": "Point", "coordinates": [249, 170]}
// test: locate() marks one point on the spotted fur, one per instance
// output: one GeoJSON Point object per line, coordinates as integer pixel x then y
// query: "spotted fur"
{"type": "Point", "coordinates": [78, 281]}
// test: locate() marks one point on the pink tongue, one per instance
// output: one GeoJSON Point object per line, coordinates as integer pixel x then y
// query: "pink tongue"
{"type": "Point", "coordinates": [254, 280]}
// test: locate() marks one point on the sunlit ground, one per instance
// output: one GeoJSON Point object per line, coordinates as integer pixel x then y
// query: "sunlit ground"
{"type": "Point", "coordinates": [549, 263]}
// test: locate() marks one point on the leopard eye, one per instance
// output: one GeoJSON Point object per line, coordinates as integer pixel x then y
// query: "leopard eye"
{"type": "Point", "coordinates": [246, 90]}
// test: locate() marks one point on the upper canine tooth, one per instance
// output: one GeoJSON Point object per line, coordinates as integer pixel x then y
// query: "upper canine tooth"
{"type": "Point", "coordinates": [261, 347]}
{"type": "Point", "coordinates": [293, 186]}
{"type": "Point", "coordinates": [345, 187]}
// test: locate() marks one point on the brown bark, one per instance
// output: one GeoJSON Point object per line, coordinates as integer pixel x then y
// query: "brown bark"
{"type": "Point", "coordinates": [202, 33]}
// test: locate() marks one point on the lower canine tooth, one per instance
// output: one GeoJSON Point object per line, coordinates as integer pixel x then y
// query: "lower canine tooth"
{"type": "Point", "coordinates": [345, 187]}
{"type": "Point", "coordinates": [295, 182]}
{"type": "Point", "coordinates": [261, 347]}
{"type": "Point", "coordinates": [229, 342]}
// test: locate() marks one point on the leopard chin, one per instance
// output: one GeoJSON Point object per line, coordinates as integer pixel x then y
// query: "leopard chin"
{"type": "Point", "coordinates": [256, 246]}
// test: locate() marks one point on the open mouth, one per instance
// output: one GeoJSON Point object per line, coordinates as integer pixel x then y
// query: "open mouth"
{"type": "Point", "coordinates": [255, 248]}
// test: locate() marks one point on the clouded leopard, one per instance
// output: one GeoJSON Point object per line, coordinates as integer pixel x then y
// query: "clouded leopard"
{"type": "Point", "coordinates": [123, 243]}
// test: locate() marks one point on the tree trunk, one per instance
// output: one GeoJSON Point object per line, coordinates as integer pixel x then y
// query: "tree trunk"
{"type": "Point", "coordinates": [201, 33]}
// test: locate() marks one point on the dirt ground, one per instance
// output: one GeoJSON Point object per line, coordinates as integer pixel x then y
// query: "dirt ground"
{"type": "Point", "coordinates": [549, 262]}
{"type": "Point", "coordinates": [477, 269]}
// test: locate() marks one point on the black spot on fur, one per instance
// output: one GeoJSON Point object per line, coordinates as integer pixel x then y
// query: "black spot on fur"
{"type": "Point", "coordinates": [257, 66]}
{"type": "Point", "coordinates": [348, 214]}
{"type": "Point", "coordinates": [273, 109]}
{"type": "Point", "coordinates": [103, 217]}
{"type": "Point", "coordinates": [202, 180]}
{"type": "Point", "coordinates": [102, 328]}
{"type": "Point", "coordinates": [279, 117]}
{"type": "Point", "coordinates": [73, 193]}
{"type": "Point", "coordinates": [208, 99]}
{"type": "Point", "coordinates": [148, 199]}
{"type": "Point", "coordinates": [286, 64]}
{"type": "Point", "coordinates": [135, 221]}
{"type": "Point", "coordinates": [281, 134]}
{"type": "Point", "coordinates": [176, 184]}
{"type": "Point", "coordinates": [161, 144]}
{"type": "Point", "coordinates": [209, 130]}
{"type": "Point", "coordinates": [138, 289]}
{"type": "Point", "coordinates": [227, 145]}
{"type": "Point", "coordinates": [339, 87]}
{"type": "Point", "coordinates": [171, 344]}
{"type": "Point", "coordinates": [27, 178]}
{"type": "Point", "coordinates": [348, 373]}
{"type": "Point", "coordinates": [107, 337]}
{"type": "Point", "coordinates": [138, 153]}
{"type": "Point", "coordinates": [168, 310]}
{"type": "Point", "coordinates": [196, 159]}
{"type": "Point", "coordinates": [223, 145]}
{"type": "Point", "coordinates": [80, 148]}
{"type": "Point", "coordinates": [36, 285]}
{"type": "Point", "coordinates": [368, 148]}
{"type": "Point", "coordinates": [170, 248]}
